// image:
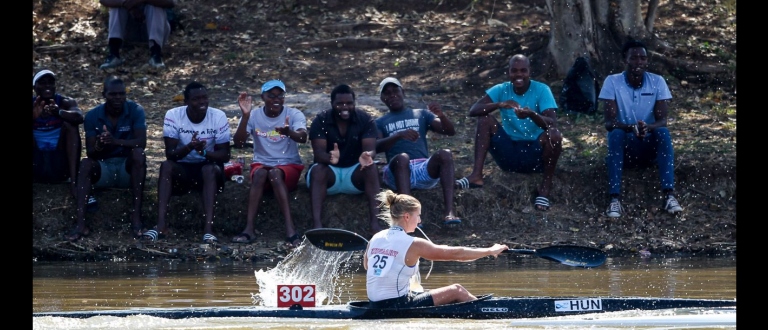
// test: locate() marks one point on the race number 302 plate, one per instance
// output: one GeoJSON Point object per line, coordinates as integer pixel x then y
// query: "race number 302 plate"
{"type": "Point", "coordinates": [295, 294]}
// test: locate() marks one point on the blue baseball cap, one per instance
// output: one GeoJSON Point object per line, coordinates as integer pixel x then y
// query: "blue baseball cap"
{"type": "Point", "coordinates": [272, 84]}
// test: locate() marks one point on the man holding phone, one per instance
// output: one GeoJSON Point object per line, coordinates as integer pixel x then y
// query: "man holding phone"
{"type": "Point", "coordinates": [56, 141]}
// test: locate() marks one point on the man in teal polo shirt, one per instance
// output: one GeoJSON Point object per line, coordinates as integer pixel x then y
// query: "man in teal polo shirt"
{"type": "Point", "coordinates": [115, 138]}
{"type": "Point", "coordinates": [527, 139]}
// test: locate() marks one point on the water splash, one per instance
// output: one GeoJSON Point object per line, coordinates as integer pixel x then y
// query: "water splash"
{"type": "Point", "coordinates": [329, 271]}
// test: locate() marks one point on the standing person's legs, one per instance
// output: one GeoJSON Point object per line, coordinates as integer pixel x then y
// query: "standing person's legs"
{"type": "Point", "coordinates": [158, 30]}
{"type": "Point", "coordinates": [118, 20]}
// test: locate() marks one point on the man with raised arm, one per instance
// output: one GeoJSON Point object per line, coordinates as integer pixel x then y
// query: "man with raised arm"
{"type": "Point", "coordinates": [276, 131]}
{"type": "Point", "coordinates": [403, 136]}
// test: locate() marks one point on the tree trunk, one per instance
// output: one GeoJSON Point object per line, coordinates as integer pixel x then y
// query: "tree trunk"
{"type": "Point", "coordinates": [593, 28]}
{"type": "Point", "coordinates": [651, 16]}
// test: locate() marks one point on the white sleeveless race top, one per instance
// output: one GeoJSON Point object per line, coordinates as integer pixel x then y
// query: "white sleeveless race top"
{"type": "Point", "coordinates": [388, 276]}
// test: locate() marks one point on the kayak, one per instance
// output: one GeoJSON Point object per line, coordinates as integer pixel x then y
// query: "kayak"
{"type": "Point", "coordinates": [485, 307]}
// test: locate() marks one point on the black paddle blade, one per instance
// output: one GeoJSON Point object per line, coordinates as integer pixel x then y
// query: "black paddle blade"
{"type": "Point", "coordinates": [331, 239]}
{"type": "Point", "coordinates": [572, 255]}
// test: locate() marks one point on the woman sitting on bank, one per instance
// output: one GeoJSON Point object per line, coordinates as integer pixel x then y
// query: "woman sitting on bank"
{"type": "Point", "coordinates": [392, 258]}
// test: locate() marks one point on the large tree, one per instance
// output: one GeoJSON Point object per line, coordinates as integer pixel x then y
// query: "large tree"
{"type": "Point", "coordinates": [598, 28]}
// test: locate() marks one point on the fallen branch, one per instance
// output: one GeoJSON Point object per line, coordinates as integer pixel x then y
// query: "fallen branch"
{"type": "Point", "coordinates": [691, 66]}
{"type": "Point", "coordinates": [368, 43]}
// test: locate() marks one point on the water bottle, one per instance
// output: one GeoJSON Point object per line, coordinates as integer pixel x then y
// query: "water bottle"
{"type": "Point", "coordinates": [238, 179]}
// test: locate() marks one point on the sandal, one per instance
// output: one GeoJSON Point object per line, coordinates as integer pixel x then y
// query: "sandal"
{"type": "Point", "coordinates": [292, 240]}
{"type": "Point", "coordinates": [243, 238]}
{"type": "Point", "coordinates": [451, 221]}
{"type": "Point", "coordinates": [541, 204]}
{"type": "Point", "coordinates": [152, 235]}
{"type": "Point", "coordinates": [210, 239]}
{"type": "Point", "coordinates": [464, 183]}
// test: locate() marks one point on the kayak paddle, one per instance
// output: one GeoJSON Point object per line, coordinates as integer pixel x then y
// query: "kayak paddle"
{"type": "Point", "coordinates": [332, 239]}
{"type": "Point", "coordinates": [570, 255]}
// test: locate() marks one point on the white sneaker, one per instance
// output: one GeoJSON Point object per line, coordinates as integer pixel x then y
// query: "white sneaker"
{"type": "Point", "coordinates": [672, 206]}
{"type": "Point", "coordinates": [614, 209]}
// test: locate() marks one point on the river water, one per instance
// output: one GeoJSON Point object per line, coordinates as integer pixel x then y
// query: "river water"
{"type": "Point", "coordinates": [73, 286]}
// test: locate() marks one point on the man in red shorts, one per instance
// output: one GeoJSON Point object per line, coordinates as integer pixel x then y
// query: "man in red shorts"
{"type": "Point", "coordinates": [276, 131]}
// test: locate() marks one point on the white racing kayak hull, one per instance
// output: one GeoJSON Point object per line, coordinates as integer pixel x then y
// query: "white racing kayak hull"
{"type": "Point", "coordinates": [486, 307]}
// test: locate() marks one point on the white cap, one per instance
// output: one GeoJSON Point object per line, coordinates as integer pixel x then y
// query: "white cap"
{"type": "Point", "coordinates": [40, 74]}
{"type": "Point", "coordinates": [389, 80]}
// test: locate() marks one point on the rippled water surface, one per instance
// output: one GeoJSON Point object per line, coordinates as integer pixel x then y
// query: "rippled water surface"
{"type": "Point", "coordinates": [71, 286]}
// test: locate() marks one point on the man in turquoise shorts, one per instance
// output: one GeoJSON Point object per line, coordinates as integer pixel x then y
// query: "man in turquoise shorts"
{"type": "Point", "coordinates": [343, 144]}
{"type": "Point", "coordinates": [527, 140]}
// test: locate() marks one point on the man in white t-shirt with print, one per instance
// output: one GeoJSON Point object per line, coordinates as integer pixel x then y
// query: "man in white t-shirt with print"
{"type": "Point", "coordinates": [196, 140]}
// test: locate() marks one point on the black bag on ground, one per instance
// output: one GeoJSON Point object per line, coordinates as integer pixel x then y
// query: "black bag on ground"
{"type": "Point", "coordinates": [580, 88]}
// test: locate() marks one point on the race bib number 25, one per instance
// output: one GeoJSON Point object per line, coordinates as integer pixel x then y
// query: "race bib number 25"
{"type": "Point", "coordinates": [295, 294]}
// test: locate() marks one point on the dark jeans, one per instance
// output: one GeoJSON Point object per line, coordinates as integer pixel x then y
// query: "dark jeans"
{"type": "Point", "coordinates": [625, 150]}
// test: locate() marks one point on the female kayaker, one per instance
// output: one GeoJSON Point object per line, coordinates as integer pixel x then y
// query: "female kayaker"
{"type": "Point", "coordinates": [392, 258]}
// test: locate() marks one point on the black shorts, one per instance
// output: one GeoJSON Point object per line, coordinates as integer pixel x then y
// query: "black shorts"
{"type": "Point", "coordinates": [191, 177]}
{"type": "Point", "coordinates": [49, 166]}
{"type": "Point", "coordinates": [412, 299]}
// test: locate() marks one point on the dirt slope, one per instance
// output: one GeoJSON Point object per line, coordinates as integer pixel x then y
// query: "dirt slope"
{"type": "Point", "coordinates": [442, 51]}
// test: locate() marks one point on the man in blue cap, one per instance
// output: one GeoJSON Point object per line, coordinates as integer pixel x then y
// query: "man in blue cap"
{"type": "Point", "coordinates": [276, 131]}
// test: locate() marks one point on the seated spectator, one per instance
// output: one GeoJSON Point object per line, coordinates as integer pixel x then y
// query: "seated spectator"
{"type": "Point", "coordinates": [636, 107]}
{"type": "Point", "coordinates": [276, 131]}
{"type": "Point", "coordinates": [115, 138]}
{"type": "Point", "coordinates": [150, 12]}
{"type": "Point", "coordinates": [403, 136]}
{"type": "Point", "coordinates": [527, 139]}
{"type": "Point", "coordinates": [56, 144]}
{"type": "Point", "coordinates": [343, 144]}
{"type": "Point", "coordinates": [196, 139]}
